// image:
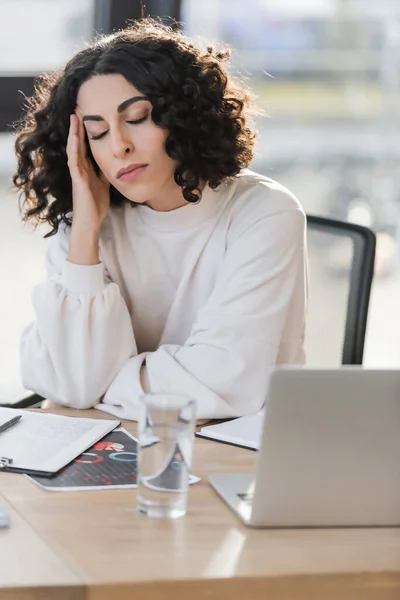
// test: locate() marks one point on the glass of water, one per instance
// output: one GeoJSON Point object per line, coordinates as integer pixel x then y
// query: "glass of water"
{"type": "Point", "coordinates": [166, 434]}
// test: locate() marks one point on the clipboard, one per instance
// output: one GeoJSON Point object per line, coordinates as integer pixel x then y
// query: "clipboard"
{"type": "Point", "coordinates": [43, 443]}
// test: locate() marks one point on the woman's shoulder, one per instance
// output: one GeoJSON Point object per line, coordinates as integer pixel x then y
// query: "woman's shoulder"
{"type": "Point", "coordinates": [260, 193]}
{"type": "Point", "coordinates": [258, 198]}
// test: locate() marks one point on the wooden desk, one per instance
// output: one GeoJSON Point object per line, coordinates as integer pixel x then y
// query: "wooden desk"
{"type": "Point", "coordinates": [94, 545]}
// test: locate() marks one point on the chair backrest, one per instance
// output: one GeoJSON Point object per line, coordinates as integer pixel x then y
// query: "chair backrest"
{"type": "Point", "coordinates": [341, 261]}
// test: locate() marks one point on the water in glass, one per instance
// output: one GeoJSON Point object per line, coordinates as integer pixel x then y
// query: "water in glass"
{"type": "Point", "coordinates": [166, 433]}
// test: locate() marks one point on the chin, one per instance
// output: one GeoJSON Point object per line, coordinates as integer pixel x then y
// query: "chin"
{"type": "Point", "coordinates": [137, 199]}
{"type": "Point", "coordinates": [136, 195]}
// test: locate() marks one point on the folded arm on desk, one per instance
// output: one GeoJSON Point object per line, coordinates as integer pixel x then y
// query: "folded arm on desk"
{"type": "Point", "coordinates": [81, 350]}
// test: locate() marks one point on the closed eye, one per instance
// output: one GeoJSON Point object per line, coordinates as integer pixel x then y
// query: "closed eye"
{"type": "Point", "coordinates": [138, 120]}
{"type": "Point", "coordinates": [98, 137]}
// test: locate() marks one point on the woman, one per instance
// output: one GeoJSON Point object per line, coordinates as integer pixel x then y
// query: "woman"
{"type": "Point", "coordinates": [171, 266]}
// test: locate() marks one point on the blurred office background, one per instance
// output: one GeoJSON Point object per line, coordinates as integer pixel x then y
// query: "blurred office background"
{"type": "Point", "coordinates": [327, 73]}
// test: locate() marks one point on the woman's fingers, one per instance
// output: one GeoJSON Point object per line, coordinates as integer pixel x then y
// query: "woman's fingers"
{"type": "Point", "coordinates": [104, 179]}
{"type": "Point", "coordinates": [90, 194]}
{"type": "Point", "coordinates": [78, 163]}
{"type": "Point", "coordinates": [81, 138]}
{"type": "Point", "coordinates": [72, 145]}
{"type": "Point", "coordinates": [80, 166]}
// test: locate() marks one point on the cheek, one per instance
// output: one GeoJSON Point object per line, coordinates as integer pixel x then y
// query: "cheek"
{"type": "Point", "coordinates": [157, 148]}
{"type": "Point", "coordinates": [150, 140]}
{"type": "Point", "coordinates": [99, 156]}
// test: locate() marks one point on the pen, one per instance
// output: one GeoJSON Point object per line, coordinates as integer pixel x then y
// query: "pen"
{"type": "Point", "coordinates": [10, 423]}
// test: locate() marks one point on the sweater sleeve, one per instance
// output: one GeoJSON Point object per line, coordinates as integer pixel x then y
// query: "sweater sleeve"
{"type": "Point", "coordinates": [79, 315]}
{"type": "Point", "coordinates": [254, 317]}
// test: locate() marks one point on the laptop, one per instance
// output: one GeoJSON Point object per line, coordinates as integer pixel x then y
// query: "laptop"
{"type": "Point", "coordinates": [329, 455]}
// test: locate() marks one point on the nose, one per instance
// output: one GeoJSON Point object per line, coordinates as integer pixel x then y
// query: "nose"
{"type": "Point", "coordinates": [120, 143]}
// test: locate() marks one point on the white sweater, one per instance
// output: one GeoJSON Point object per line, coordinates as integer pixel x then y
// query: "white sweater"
{"type": "Point", "coordinates": [201, 301]}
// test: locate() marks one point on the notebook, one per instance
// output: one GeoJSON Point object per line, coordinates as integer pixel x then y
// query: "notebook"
{"type": "Point", "coordinates": [42, 443]}
{"type": "Point", "coordinates": [245, 431]}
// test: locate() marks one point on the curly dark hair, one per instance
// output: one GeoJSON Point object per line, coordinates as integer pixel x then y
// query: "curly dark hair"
{"type": "Point", "coordinates": [204, 111]}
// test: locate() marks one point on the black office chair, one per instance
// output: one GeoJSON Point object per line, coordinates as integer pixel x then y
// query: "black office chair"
{"type": "Point", "coordinates": [341, 263]}
{"type": "Point", "coordinates": [341, 259]}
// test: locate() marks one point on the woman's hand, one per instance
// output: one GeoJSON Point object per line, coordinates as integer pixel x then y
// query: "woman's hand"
{"type": "Point", "coordinates": [90, 193]}
{"type": "Point", "coordinates": [90, 198]}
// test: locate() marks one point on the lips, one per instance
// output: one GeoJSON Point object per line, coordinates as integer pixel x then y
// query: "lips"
{"type": "Point", "coordinates": [130, 169]}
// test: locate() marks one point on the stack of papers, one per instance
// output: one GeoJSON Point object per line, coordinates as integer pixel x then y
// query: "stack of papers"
{"type": "Point", "coordinates": [43, 443]}
{"type": "Point", "coordinates": [245, 431]}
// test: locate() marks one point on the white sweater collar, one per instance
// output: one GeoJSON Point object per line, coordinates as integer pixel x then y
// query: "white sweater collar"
{"type": "Point", "coordinates": [185, 216]}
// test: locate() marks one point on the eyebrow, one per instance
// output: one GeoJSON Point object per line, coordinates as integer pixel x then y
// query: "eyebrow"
{"type": "Point", "coordinates": [123, 106]}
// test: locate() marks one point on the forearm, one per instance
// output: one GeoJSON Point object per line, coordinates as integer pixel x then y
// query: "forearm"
{"type": "Point", "coordinates": [83, 247]}
{"type": "Point", "coordinates": [80, 339]}
{"type": "Point", "coordinates": [206, 373]}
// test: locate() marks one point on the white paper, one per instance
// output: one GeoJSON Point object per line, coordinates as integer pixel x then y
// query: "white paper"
{"type": "Point", "coordinates": [6, 415]}
{"type": "Point", "coordinates": [45, 442]}
{"type": "Point", "coordinates": [76, 488]}
{"type": "Point", "coordinates": [245, 431]}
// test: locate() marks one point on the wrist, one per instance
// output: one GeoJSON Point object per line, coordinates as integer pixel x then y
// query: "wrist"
{"type": "Point", "coordinates": [83, 246]}
{"type": "Point", "coordinates": [82, 231]}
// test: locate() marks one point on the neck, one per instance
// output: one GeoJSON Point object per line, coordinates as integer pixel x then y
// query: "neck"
{"type": "Point", "coordinates": [171, 199]}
